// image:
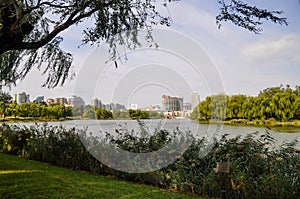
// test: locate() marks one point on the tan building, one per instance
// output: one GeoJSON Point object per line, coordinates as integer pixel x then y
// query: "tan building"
{"type": "Point", "coordinates": [172, 103]}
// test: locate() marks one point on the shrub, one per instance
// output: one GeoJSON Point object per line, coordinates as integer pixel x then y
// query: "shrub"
{"type": "Point", "coordinates": [256, 167]}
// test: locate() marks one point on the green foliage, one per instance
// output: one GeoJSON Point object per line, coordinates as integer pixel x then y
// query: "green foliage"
{"type": "Point", "coordinates": [98, 113]}
{"type": "Point", "coordinates": [103, 114]}
{"type": "Point", "coordinates": [89, 113]}
{"type": "Point", "coordinates": [35, 110]}
{"type": "Point", "coordinates": [138, 114]}
{"type": "Point", "coordinates": [5, 97]}
{"type": "Point", "coordinates": [30, 30]}
{"type": "Point", "coordinates": [247, 16]}
{"type": "Point", "coordinates": [280, 103]}
{"type": "Point", "coordinates": [142, 141]}
{"type": "Point", "coordinates": [256, 167]}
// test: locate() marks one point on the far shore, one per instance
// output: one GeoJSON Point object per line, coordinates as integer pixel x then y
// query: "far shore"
{"type": "Point", "coordinates": [30, 119]}
{"type": "Point", "coordinates": [271, 123]}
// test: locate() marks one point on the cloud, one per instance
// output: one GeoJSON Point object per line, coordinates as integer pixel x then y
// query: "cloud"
{"type": "Point", "coordinates": [192, 17]}
{"type": "Point", "coordinates": [276, 51]}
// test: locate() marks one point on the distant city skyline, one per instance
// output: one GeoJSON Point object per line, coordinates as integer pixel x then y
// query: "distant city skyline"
{"type": "Point", "coordinates": [96, 102]}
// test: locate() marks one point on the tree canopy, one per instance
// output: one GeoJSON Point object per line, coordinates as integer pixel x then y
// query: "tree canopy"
{"type": "Point", "coordinates": [30, 30]}
{"type": "Point", "coordinates": [280, 103]}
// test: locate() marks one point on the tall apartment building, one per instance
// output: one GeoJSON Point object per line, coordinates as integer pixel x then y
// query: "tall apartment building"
{"type": "Point", "coordinates": [172, 103]}
{"type": "Point", "coordinates": [187, 106]}
{"type": "Point", "coordinates": [39, 99]}
{"type": "Point", "coordinates": [96, 103]}
{"type": "Point", "coordinates": [195, 100]}
{"type": "Point", "coordinates": [76, 101]}
{"type": "Point", "coordinates": [21, 98]}
{"type": "Point", "coordinates": [61, 100]}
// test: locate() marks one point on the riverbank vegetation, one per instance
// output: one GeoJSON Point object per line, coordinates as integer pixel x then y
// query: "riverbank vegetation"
{"type": "Point", "coordinates": [273, 106]}
{"type": "Point", "coordinates": [34, 111]}
{"type": "Point", "coordinates": [99, 113]}
{"type": "Point", "coordinates": [256, 168]}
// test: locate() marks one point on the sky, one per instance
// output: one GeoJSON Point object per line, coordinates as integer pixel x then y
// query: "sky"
{"type": "Point", "coordinates": [193, 56]}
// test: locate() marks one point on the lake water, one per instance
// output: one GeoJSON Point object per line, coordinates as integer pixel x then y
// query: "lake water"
{"type": "Point", "coordinates": [99, 127]}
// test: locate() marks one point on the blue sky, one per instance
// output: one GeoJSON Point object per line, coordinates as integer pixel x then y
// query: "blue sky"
{"type": "Point", "coordinates": [242, 61]}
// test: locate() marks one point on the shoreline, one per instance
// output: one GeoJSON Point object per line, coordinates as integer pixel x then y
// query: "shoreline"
{"type": "Point", "coordinates": [259, 123]}
{"type": "Point", "coordinates": [19, 119]}
{"type": "Point", "coordinates": [289, 127]}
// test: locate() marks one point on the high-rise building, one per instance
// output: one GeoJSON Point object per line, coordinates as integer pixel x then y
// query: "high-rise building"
{"type": "Point", "coordinates": [172, 103]}
{"type": "Point", "coordinates": [195, 100]}
{"type": "Point", "coordinates": [76, 101]}
{"type": "Point", "coordinates": [96, 103]}
{"type": "Point", "coordinates": [21, 98]}
{"type": "Point", "coordinates": [61, 100]}
{"type": "Point", "coordinates": [39, 99]}
{"type": "Point", "coordinates": [119, 107]}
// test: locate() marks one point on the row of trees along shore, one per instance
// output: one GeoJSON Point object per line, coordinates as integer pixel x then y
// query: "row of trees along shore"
{"type": "Point", "coordinates": [59, 111]}
{"type": "Point", "coordinates": [35, 110]}
{"type": "Point", "coordinates": [281, 103]}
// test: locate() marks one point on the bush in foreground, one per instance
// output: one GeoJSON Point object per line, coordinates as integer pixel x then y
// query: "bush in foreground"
{"type": "Point", "coordinates": [256, 167]}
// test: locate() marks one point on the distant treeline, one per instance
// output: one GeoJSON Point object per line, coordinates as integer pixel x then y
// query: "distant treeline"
{"type": "Point", "coordinates": [60, 111]}
{"type": "Point", "coordinates": [99, 113]}
{"type": "Point", "coordinates": [41, 110]}
{"type": "Point", "coordinates": [281, 103]}
{"type": "Point", "coordinates": [35, 110]}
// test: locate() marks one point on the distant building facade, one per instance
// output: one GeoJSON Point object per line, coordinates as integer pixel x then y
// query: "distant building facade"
{"type": "Point", "coordinates": [187, 106]}
{"type": "Point", "coordinates": [133, 106]}
{"type": "Point", "coordinates": [21, 98]}
{"type": "Point", "coordinates": [76, 101]}
{"type": "Point", "coordinates": [96, 103]}
{"type": "Point", "coordinates": [152, 108]}
{"type": "Point", "coordinates": [61, 100]}
{"type": "Point", "coordinates": [172, 103]}
{"type": "Point", "coordinates": [39, 99]}
{"type": "Point", "coordinates": [49, 101]}
{"type": "Point", "coordinates": [195, 100]}
{"type": "Point", "coordinates": [117, 106]}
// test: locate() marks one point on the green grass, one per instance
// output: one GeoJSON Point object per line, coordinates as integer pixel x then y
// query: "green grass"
{"type": "Point", "coordinates": [22, 178]}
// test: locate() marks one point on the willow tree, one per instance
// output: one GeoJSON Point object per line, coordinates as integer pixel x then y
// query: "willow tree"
{"type": "Point", "coordinates": [30, 30]}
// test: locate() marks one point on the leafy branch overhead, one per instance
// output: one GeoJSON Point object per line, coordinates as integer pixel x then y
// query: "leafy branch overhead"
{"type": "Point", "coordinates": [246, 16]}
{"type": "Point", "coordinates": [30, 30]}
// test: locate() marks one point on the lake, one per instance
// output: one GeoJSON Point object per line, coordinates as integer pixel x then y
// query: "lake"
{"type": "Point", "coordinates": [99, 127]}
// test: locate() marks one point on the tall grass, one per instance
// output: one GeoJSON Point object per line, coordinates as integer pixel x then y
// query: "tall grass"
{"type": "Point", "coordinates": [256, 167]}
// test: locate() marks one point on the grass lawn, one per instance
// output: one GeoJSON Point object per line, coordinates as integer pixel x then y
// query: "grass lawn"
{"type": "Point", "coordinates": [21, 178]}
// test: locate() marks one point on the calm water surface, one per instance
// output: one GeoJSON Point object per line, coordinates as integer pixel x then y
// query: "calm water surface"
{"type": "Point", "coordinates": [99, 127]}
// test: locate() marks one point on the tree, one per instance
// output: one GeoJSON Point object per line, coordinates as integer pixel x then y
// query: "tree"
{"type": "Point", "coordinates": [246, 16]}
{"type": "Point", "coordinates": [90, 113]}
{"type": "Point", "coordinates": [3, 107]}
{"type": "Point", "coordinates": [5, 97]}
{"type": "Point", "coordinates": [103, 114]}
{"type": "Point", "coordinates": [30, 30]}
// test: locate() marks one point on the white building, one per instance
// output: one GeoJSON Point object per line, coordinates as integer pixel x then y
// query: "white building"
{"type": "Point", "coordinates": [133, 106]}
{"type": "Point", "coordinates": [21, 98]}
{"type": "Point", "coordinates": [96, 103]}
{"type": "Point", "coordinates": [195, 100]}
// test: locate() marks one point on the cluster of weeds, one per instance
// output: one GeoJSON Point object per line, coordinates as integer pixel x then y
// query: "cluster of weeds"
{"type": "Point", "coordinates": [256, 167]}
